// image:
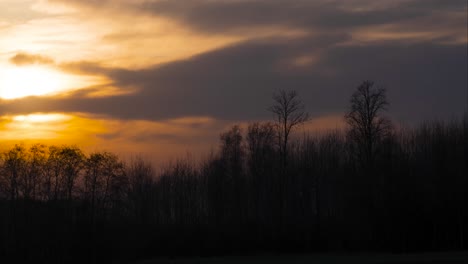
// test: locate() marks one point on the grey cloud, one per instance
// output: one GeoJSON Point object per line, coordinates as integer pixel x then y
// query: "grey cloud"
{"type": "Point", "coordinates": [224, 16]}
{"type": "Point", "coordinates": [424, 81]}
{"type": "Point", "coordinates": [216, 16]}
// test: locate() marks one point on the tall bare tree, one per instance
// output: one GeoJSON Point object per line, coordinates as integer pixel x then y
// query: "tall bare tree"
{"type": "Point", "coordinates": [232, 151]}
{"type": "Point", "coordinates": [260, 142]}
{"type": "Point", "coordinates": [104, 181]}
{"type": "Point", "coordinates": [53, 174]}
{"type": "Point", "coordinates": [72, 159]}
{"type": "Point", "coordinates": [14, 170]}
{"type": "Point", "coordinates": [367, 124]}
{"type": "Point", "coordinates": [289, 113]}
{"type": "Point", "coordinates": [35, 173]}
{"type": "Point", "coordinates": [140, 192]}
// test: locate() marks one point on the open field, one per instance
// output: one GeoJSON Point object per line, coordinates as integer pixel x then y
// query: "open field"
{"type": "Point", "coordinates": [430, 258]}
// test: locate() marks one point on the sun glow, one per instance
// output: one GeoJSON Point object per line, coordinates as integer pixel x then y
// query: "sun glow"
{"type": "Point", "coordinates": [54, 127]}
{"type": "Point", "coordinates": [17, 82]}
{"type": "Point", "coordinates": [41, 118]}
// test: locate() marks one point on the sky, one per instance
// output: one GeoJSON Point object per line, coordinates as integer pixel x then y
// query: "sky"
{"type": "Point", "coordinates": [163, 78]}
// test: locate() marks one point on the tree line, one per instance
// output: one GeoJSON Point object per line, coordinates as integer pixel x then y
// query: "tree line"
{"type": "Point", "coordinates": [368, 187]}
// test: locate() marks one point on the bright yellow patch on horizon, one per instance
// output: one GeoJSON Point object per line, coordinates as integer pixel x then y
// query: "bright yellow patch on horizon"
{"type": "Point", "coordinates": [41, 118]}
{"type": "Point", "coordinates": [55, 127]}
{"type": "Point", "coordinates": [34, 80]}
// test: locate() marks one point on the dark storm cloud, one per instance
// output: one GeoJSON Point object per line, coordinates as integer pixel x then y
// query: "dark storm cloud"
{"type": "Point", "coordinates": [424, 80]}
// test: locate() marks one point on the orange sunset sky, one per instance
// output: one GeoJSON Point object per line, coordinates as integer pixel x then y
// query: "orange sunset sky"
{"type": "Point", "coordinates": [163, 77]}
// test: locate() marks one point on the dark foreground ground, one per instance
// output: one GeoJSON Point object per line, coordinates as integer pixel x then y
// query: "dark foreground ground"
{"type": "Point", "coordinates": [427, 258]}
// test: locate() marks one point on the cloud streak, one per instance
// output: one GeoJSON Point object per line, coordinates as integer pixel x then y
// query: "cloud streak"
{"type": "Point", "coordinates": [21, 59]}
{"type": "Point", "coordinates": [234, 16]}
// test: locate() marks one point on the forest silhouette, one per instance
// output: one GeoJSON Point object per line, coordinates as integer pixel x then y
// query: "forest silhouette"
{"type": "Point", "coordinates": [370, 187]}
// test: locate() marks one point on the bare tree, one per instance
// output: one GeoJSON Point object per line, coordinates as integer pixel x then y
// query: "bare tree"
{"type": "Point", "coordinates": [53, 173]}
{"type": "Point", "coordinates": [232, 151]}
{"type": "Point", "coordinates": [260, 138]}
{"type": "Point", "coordinates": [14, 170]}
{"type": "Point", "coordinates": [140, 192]}
{"type": "Point", "coordinates": [72, 159]}
{"type": "Point", "coordinates": [289, 113]}
{"type": "Point", "coordinates": [260, 160]}
{"type": "Point", "coordinates": [367, 124]}
{"type": "Point", "coordinates": [232, 160]}
{"type": "Point", "coordinates": [31, 181]}
{"type": "Point", "coordinates": [104, 181]}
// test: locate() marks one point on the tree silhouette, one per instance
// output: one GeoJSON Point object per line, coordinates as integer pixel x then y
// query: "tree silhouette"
{"type": "Point", "coordinates": [260, 139]}
{"type": "Point", "coordinates": [367, 125]}
{"type": "Point", "coordinates": [232, 151]}
{"type": "Point", "coordinates": [289, 113]}
{"type": "Point", "coordinates": [14, 170]}
{"type": "Point", "coordinates": [54, 174]}
{"type": "Point", "coordinates": [73, 162]}
{"type": "Point", "coordinates": [141, 179]}
{"type": "Point", "coordinates": [103, 181]}
{"type": "Point", "coordinates": [35, 173]}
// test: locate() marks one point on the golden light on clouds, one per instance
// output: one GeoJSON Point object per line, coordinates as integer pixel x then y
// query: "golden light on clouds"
{"type": "Point", "coordinates": [35, 80]}
{"type": "Point", "coordinates": [40, 118]}
{"type": "Point", "coordinates": [125, 137]}
{"type": "Point", "coordinates": [117, 73]}
{"type": "Point", "coordinates": [65, 38]}
{"type": "Point", "coordinates": [196, 134]}
{"type": "Point", "coordinates": [57, 127]}
{"type": "Point", "coordinates": [114, 39]}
